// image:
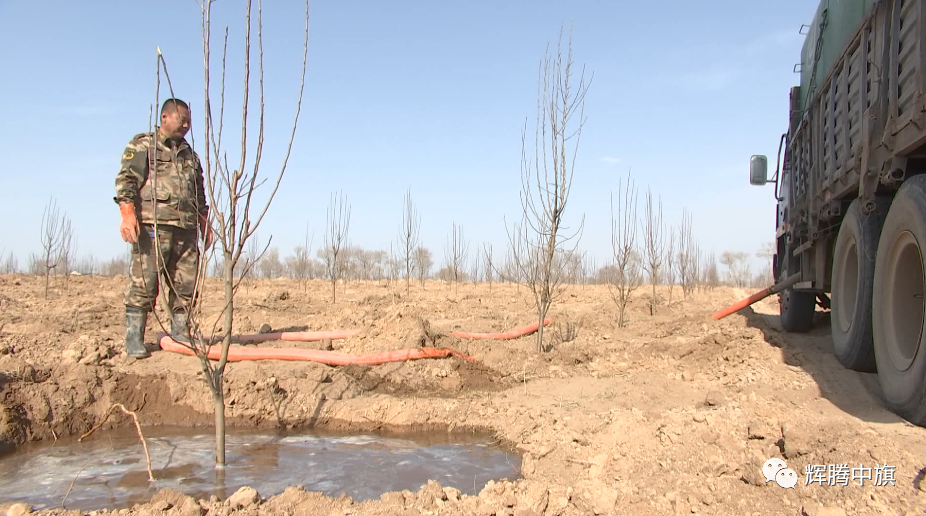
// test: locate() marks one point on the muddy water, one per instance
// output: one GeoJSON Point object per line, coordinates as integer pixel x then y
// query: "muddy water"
{"type": "Point", "coordinates": [110, 468]}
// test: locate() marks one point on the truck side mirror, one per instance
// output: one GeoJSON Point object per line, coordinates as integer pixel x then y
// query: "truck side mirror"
{"type": "Point", "coordinates": [758, 170]}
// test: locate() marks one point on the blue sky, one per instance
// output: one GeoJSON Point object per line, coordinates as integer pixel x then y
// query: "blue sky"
{"type": "Point", "coordinates": [430, 96]}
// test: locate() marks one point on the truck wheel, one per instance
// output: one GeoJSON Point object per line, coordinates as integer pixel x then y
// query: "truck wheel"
{"type": "Point", "coordinates": [797, 309]}
{"type": "Point", "coordinates": [852, 280]}
{"type": "Point", "coordinates": [897, 302]}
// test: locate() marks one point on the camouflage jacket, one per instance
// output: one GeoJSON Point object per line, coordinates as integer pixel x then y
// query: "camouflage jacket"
{"type": "Point", "coordinates": [177, 186]}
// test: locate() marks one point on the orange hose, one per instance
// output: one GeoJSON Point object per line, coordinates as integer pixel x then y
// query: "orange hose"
{"type": "Point", "coordinates": [758, 296]}
{"type": "Point", "coordinates": [512, 334]}
{"type": "Point", "coordinates": [335, 358]}
{"type": "Point", "coordinates": [739, 305]}
{"type": "Point", "coordinates": [299, 336]}
{"type": "Point", "coordinates": [332, 358]}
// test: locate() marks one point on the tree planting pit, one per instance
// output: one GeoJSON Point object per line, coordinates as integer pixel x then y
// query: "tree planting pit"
{"type": "Point", "coordinates": [111, 471]}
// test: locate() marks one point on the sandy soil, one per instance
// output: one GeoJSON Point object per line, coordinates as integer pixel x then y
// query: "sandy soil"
{"type": "Point", "coordinates": [674, 414]}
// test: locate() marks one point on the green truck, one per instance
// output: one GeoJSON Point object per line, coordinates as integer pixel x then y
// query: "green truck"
{"type": "Point", "coordinates": [850, 182]}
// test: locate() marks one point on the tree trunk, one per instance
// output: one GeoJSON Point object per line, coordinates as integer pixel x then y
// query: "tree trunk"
{"type": "Point", "coordinates": [652, 306]}
{"type": "Point", "coordinates": [542, 314]}
{"type": "Point", "coordinates": [218, 391]}
{"type": "Point", "coordinates": [218, 398]}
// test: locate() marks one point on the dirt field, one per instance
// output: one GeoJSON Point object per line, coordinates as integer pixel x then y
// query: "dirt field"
{"type": "Point", "coordinates": [674, 414]}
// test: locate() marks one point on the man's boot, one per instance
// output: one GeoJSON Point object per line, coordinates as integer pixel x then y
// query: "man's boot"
{"type": "Point", "coordinates": [180, 327]}
{"type": "Point", "coordinates": [135, 320]}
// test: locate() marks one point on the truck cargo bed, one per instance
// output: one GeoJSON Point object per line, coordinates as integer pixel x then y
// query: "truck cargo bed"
{"type": "Point", "coordinates": [864, 127]}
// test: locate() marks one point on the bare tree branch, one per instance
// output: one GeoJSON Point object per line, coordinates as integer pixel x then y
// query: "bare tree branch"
{"type": "Point", "coordinates": [654, 243]}
{"type": "Point", "coordinates": [455, 255]}
{"type": "Point", "coordinates": [230, 194]}
{"type": "Point", "coordinates": [625, 277]}
{"type": "Point", "coordinates": [338, 224]}
{"type": "Point", "coordinates": [408, 238]}
{"type": "Point", "coordinates": [538, 245]}
{"type": "Point", "coordinates": [489, 266]}
{"type": "Point", "coordinates": [55, 235]}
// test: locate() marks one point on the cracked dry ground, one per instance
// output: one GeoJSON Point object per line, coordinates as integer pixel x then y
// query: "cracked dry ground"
{"type": "Point", "coordinates": [674, 414]}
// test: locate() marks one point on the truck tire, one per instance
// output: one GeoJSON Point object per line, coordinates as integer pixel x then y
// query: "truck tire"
{"type": "Point", "coordinates": [797, 309]}
{"type": "Point", "coordinates": [852, 281]}
{"type": "Point", "coordinates": [898, 305]}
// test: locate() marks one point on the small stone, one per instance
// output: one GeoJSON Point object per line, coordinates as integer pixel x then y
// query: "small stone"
{"type": "Point", "coordinates": [485, 509]}
{"type": "Point", "coordinates": [451, 384]}
{"type": "Point", "coordinates": [714, 398]}
{"type": "Point", "coordinates": [182, 504]}
{"type": "Point", "coordinates": [699, 418]}
{"type": "Point", "coordinates": [707, 499]}
{"type": "Point", "coordinates": [70, 355]}
{"type": "Point", "coordinates": [393, 498]}
{"type": "Point", "coordinates": [28, 373]}
{"type": "Point", "coordinates": [161, 505]}
{"type": "Point", "coordinates": [686, 376]}
{"type": "Point", "coordinates": [752, 472]}
{"type": "Point", "coordinates": [510, 500]}
{"type": "Point", "coordinates": [536, 497]}
{"type": "Point", "coordinates": [318, 375]}
{"type": "Point", "coordinates": [601, 499]}
{"type": "Point", "coordinates": [18, 509]}
{"type": "Point", "coordinates": [264, 328]}
{"type": "Point", "coordinates": [278, 295]}
{"type": "Point", "coordinates": [528, 464]}
{"type": "Point", "coordinates": [244, 497]}
{"type": "Point", "coordinates": [709, 436]}
{"type": "Point", "coordinates": [599, 463]}
{"type": "Point", "coordinates": [796, 442]}
{"type": "Point", "coordinates": [91, 359]}
{"type": "Point", "coordinates": [576, 437]}
{"type": "Point", "coordinates": [810, 508]}
{"type": "Point", "coordinates": [762, 430]}
{"type": "Point", "coordinates": [430, 493]}
{"type": "Point", "coordinates": [452, 494]}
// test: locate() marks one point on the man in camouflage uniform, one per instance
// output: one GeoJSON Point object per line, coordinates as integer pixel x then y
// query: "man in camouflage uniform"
{"type": "Point", "coordinates": [170, 194]}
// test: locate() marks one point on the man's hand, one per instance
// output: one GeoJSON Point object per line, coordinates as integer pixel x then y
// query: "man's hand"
{"type": "Point", "coordinates": [206, 229]}
{"type": "Point", "coordinates": [129, 226]}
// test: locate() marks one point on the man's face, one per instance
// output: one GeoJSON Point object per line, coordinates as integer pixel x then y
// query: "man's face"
{"type": "Point", "coordinates": [175, 122]}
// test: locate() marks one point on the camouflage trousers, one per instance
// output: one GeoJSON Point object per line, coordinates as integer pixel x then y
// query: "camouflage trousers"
{"type": "Point", "coordinates": [175, 259]}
